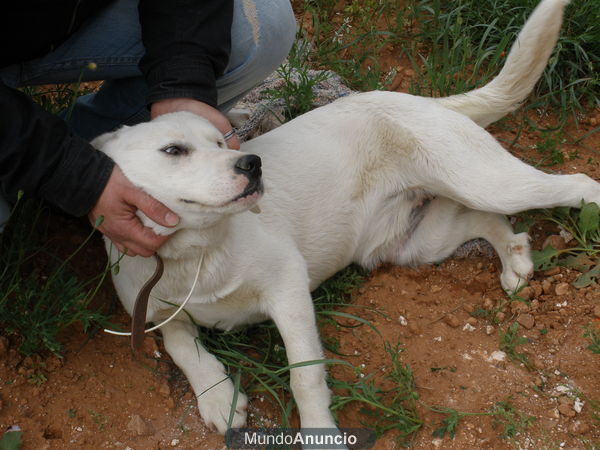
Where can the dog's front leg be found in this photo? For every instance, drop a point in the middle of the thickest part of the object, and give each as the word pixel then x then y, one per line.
pixel 293 314
pixel 213 388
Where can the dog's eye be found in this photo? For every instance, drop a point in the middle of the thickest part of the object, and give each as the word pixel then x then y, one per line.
pixel 174 150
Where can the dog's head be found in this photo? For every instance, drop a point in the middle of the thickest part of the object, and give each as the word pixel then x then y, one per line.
pixel 182 160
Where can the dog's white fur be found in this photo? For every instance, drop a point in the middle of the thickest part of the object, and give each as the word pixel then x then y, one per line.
pixel 372 178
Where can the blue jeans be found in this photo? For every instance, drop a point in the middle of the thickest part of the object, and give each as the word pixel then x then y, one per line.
pixel 262 34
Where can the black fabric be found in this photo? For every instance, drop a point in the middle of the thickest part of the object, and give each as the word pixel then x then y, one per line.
pixel 32 28
pixel 40 156
pixel 187 48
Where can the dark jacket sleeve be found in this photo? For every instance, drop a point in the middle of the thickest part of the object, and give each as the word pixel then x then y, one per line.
pixel 187 47
pixel 40 156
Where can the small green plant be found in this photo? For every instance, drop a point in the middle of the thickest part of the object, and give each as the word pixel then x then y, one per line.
pixel 503 413
pixel 512 421
pixel 549 148
pixel 449 424
pixel 40 295
pixel 593 334
pixel 383 409
pixel 510 340
pixel 583 225
pixel 12 439
pixel 99 419
pixel 296 92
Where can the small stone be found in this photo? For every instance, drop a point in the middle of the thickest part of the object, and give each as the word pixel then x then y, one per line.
pixel 413 327
pixel 526 293
pixel 561 289
pixel 164 389
pixel 526 321
pixel 537 289
pixel 535 304
pixel 468 327
pixel 468 308
pixel 500 316
pixel 556 241
pixel 139 427
pixel 472 321
pixel 170 403
pixel 551 272
pixel 403 321
pixel 566 410
pixel 564 400
pixel 174 442
pixel 452 321
pixel 579 427
pixel 488 304
pixel 547 287
pixel 435 288
pixel 517 307
pixel 489 330
pixel 597 311
pixel 498 356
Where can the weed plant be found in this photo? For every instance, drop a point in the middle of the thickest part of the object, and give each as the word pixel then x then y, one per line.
pixel 583 227
pixel 40 295
pixel 510 340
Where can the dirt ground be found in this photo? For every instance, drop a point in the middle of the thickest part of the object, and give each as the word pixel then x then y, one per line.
pixel 100 395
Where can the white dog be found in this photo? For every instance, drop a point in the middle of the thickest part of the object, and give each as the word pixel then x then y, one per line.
pixel 372 178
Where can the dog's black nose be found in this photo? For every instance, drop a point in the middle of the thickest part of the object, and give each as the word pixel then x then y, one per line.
pixel 249 165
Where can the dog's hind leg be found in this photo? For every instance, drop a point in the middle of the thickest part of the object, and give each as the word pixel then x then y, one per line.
pixel 447 224
pixel 472 168
pixel 212 386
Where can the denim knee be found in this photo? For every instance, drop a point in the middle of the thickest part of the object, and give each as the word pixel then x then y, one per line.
pixel 262 36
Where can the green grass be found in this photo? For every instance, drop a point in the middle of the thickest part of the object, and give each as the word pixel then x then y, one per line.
pixel 583 225
pixel 510 340
pixel 454 46
pixel 40 294
pixel 593 334
pixel 504 416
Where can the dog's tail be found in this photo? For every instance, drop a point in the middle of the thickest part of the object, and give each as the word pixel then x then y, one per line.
pixel 524 66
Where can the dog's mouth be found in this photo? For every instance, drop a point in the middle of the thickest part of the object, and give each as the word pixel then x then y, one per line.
pixel 254 187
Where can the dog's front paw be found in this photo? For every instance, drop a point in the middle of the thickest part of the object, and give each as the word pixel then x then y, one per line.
pixel 215 406
pixel 518 267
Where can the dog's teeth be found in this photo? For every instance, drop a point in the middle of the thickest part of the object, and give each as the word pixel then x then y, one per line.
pixel 255 209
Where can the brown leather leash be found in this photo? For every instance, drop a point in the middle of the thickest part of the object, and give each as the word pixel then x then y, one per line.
pixel 140 309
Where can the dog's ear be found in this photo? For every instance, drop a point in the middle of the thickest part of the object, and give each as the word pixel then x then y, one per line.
pixel 100 142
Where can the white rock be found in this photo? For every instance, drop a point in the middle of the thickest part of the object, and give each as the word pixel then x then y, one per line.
pixel 497 355
pixel 403 321
pixel 468 327
pixel 578 405
pixel 437 339
pixel 174 442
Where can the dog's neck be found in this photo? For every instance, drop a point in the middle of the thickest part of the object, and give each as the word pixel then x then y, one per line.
pixel 191 242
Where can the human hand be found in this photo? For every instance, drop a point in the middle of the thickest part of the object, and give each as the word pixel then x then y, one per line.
pixel 118 204
pixel 211 114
